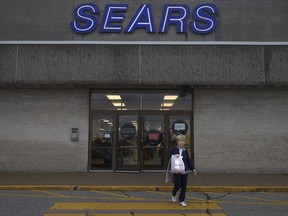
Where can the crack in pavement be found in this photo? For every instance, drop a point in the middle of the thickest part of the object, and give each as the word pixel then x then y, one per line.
pixel 208 197
pixel 125 194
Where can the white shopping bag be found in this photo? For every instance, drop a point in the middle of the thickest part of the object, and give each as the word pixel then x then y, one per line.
pixel 177 164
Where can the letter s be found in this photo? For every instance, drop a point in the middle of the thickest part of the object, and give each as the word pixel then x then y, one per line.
pixel 89 20
pixel 206 22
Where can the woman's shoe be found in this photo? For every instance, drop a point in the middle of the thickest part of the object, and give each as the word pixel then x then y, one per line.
pixel 183 204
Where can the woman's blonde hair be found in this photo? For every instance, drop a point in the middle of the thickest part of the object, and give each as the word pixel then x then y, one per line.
pixel 180 138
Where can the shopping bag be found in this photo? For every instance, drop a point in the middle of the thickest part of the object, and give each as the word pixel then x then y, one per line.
pixel 169 176
pixel 177 164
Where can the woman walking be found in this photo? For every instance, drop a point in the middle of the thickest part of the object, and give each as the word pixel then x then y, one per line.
pixel 180 179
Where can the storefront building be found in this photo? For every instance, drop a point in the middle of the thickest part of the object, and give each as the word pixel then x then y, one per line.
pixel 106 86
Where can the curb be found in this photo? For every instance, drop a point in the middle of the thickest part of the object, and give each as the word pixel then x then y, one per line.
pixel 148 188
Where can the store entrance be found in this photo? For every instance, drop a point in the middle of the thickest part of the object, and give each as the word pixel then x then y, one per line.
pixel 141 144
pixel 124 140
pixel 136 142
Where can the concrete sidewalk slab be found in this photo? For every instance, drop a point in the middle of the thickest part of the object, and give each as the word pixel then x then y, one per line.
pixel 140 181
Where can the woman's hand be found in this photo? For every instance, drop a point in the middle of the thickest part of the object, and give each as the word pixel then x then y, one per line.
pixel 177 155
pixel 194 171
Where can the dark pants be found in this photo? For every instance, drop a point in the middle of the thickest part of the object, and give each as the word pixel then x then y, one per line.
pixel 180 181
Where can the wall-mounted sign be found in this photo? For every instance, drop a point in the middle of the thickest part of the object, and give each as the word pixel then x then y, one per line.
pixel 74 134
pixel 179 127
pixel 128 131
pixel 107 135
pixel 172 14
pixel 153 137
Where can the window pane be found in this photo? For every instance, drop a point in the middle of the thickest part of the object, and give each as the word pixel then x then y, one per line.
pixel 127 154
pixel 140 101
pixel 101 158
pixel 166 101
pixel 115 101
pixel 179 125
pixel 102 127
pixel 102 142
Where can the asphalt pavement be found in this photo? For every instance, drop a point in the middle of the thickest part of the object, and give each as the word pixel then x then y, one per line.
pixel 215 182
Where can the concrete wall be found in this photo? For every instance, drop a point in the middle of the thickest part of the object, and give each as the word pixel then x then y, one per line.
pixel 35 129
pixel 245 20
pixel 143 64
pixel 243 131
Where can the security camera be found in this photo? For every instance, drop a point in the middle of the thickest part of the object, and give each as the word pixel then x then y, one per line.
pixel 184 91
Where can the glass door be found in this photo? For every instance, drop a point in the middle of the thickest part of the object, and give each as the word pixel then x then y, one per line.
pixel 128 143
pixel 153 142
pixel 142 142
pixel 180 125
pixel 102 136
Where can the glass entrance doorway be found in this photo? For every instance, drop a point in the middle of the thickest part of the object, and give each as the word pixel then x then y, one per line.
pixel 141 144
pixel 137 140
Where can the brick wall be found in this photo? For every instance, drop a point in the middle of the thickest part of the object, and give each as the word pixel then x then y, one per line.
pixel 241 130
pixel 234 130
pixel 35 129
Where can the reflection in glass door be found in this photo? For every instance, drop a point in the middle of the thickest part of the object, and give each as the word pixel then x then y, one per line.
pixel 142 142
pixel 153 145
pixel 134 131
pixel 180 125
pixel 101 154
pixel 128 143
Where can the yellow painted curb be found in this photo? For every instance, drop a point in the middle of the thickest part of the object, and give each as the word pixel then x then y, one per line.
pixel 190 188
pixel 148 188
pixel 37 187
pixel 238 188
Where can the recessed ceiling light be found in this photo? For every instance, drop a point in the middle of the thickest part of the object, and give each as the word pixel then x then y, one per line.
pixel 113 97
pixel 118 104
pixel 170 97
pixel 166 104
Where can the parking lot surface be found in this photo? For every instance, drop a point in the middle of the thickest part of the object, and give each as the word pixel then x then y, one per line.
pixel 141 203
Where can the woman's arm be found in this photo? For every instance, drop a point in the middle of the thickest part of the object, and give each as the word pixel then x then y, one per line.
pixel 189 162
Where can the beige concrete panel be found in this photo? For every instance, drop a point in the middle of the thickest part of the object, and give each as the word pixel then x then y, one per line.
pixel 203 65
pixel 35 20
pixel 258 20
pixel 8 63
pixel 78 64
pixel 276 61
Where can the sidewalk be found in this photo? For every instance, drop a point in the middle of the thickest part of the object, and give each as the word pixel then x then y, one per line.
pixel 141 181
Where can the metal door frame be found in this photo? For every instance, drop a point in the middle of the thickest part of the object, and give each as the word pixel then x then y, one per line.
pixel 141 115
pixel 115 115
